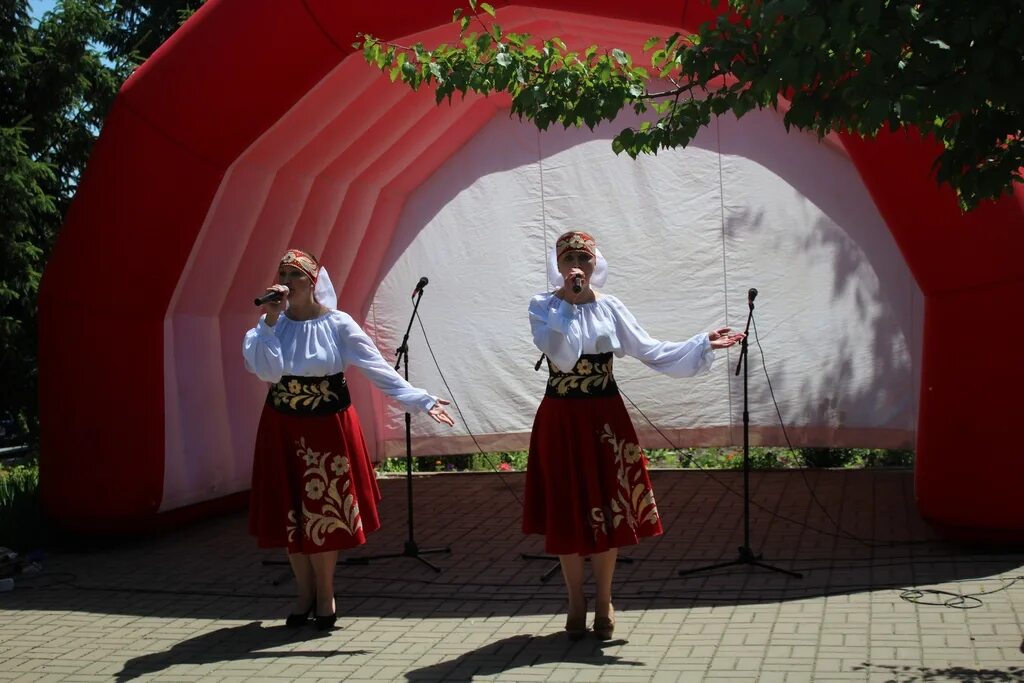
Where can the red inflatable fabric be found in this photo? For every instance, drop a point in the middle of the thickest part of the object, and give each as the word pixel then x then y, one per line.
pixel 155 202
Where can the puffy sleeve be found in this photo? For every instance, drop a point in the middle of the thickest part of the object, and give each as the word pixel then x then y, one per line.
pixel 556 330
pixel 359 350
pixel 675 359
pixel 262 351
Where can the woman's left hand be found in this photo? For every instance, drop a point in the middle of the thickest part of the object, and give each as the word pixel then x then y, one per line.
pixel 724 337
pixel 439 414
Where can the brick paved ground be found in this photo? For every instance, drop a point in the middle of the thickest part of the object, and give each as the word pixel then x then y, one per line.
pixel 199 605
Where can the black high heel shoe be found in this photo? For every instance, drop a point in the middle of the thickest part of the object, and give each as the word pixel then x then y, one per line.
pixel 325 622
pixel 297 620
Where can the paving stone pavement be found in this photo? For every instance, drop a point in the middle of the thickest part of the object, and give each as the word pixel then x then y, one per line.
pixel 199 604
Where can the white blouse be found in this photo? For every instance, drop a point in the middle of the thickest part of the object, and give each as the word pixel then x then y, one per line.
pixel 325 346
pixel 565 331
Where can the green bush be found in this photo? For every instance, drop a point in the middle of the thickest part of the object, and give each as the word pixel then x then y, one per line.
pixel 857 457
pixel 827 457
pixel 761 458
pixel 22 525
pixel 506 461
pixel 731 458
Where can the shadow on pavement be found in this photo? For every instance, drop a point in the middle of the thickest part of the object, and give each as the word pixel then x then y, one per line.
pixel 250 641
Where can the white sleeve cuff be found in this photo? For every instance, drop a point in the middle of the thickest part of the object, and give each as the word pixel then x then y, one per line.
pixel 263 329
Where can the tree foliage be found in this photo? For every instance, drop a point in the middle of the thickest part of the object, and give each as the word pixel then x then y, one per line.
pixel 951 69
pixel 58 77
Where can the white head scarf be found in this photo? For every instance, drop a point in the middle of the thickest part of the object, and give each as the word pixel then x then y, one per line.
pixel 598 279
pixel 324 290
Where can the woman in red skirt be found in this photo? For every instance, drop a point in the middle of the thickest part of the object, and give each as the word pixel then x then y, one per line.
pixel 587 488
pixel 313 486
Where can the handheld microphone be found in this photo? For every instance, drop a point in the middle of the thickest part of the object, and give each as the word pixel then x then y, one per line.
pixel 751 295
pixel 577 284
pixel 267 298
pixel 420 285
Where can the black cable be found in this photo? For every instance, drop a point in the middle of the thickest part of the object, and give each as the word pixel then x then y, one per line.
pixel 724 485
pixel 463 416
pixel 955 600
pixel 841 533
pixel 785 434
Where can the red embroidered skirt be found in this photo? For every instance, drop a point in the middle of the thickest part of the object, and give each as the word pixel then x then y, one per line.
pixel 313 485
pixel 587 487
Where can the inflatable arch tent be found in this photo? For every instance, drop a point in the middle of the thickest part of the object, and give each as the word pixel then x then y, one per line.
pixel 254 129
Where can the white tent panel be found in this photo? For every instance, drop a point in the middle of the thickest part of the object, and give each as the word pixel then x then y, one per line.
pixel 686 234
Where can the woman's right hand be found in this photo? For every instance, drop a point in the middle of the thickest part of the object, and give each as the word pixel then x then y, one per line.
pixel 439 414
pixel 584 295
pixel 273 308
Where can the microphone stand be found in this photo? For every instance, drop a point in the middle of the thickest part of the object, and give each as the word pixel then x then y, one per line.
pixel 546 576
pixel 411 549
pixel 746 555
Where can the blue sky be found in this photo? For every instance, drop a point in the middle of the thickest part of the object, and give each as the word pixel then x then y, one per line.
pixel 41 7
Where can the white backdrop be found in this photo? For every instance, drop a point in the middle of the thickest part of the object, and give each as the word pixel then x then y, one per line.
pixel 686 234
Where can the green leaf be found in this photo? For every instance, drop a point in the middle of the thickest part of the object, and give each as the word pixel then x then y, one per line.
pixel 620 57
pixel 503 58
pixel 487 8
pixel 651 42
pixel 623 141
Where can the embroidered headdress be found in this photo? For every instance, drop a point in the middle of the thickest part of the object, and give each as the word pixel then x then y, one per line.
pixel 577 240
pixel 323 288
pixel 303 261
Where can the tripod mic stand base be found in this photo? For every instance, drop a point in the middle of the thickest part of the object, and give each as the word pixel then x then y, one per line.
pixel 410 550
pixel 551 571
pixel 747 556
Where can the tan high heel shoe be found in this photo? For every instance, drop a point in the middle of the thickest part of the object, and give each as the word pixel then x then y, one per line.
pixel 604 627
pixel 576 627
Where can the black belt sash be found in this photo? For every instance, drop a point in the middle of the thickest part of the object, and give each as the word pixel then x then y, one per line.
pixel 590 377
pixel 294 395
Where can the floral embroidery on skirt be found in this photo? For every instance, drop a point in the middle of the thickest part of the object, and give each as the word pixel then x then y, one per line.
pixel 314 487
pixel 325 508
pixel 587 486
